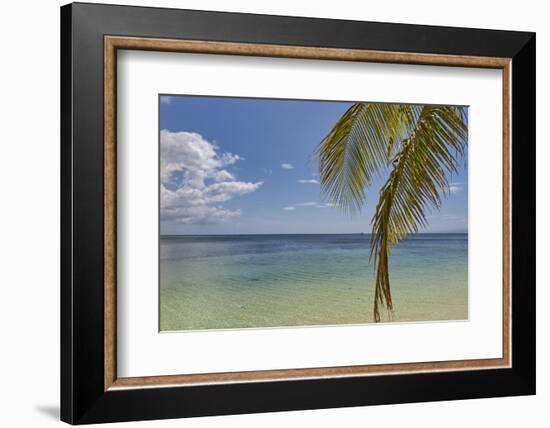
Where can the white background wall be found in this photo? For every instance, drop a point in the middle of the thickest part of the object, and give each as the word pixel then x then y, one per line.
pixel 29 213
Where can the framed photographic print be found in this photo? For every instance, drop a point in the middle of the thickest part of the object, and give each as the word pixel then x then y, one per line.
pixel 265 213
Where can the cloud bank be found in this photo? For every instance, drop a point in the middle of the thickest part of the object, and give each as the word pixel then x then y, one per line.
pixel 194 181
pixel 309 204
pixel 455 188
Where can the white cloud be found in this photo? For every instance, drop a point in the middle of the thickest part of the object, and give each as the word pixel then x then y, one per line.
pixel 308 204
pixel 165 99
pixel 455 188
pixel 311 181
pixel 327 205
pixel 223 175
pixel 194 182
pixel 287 166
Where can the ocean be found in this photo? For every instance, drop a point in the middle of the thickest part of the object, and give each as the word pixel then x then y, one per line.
pixel 258 281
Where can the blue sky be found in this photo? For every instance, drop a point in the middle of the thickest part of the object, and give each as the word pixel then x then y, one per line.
pixel 243 165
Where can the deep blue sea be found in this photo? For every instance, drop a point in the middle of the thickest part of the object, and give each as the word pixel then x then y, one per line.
pixel 251 281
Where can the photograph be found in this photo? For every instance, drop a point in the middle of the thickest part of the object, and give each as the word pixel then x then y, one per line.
pixel 294 213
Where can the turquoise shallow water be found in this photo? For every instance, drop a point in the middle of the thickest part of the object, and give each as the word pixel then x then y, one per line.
pixel 215 282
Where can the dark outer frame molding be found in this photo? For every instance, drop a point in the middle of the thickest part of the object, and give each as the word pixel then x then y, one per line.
pixel 83 398
pixel 113 44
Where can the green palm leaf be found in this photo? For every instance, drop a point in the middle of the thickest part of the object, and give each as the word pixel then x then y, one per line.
pixel 355 150
pixel 422 144
pixel 417 183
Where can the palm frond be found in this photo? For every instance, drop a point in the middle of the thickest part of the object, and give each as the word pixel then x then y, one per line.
pixel 356 149
pixel 416 184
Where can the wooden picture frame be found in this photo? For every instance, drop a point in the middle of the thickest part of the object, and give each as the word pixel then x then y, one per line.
pixel 91 390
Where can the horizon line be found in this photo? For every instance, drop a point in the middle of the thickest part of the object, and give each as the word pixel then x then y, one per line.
pixel 276 234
